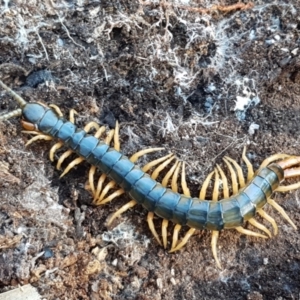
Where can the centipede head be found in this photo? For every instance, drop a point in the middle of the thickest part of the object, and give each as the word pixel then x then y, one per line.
pixel 31 112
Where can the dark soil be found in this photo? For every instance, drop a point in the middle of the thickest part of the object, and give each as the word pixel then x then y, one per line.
pixel 173 78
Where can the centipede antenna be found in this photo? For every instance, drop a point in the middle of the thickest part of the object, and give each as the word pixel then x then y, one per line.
pixel 14 113
pixel 18 98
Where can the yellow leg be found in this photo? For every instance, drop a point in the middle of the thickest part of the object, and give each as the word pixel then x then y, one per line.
pixel 260 226
pixel 71 165
pixel 176 231
pixel 62 158
pixel 53 149
pixel 72 114
pixel 182 243
pixel 174 185
pixel 155 162
pixel 250 173
pixel 90 126
pixel 238 170
pixel 121 210
pixel 167 177
pixel 164 227
pixel 99 187
pixel 151 226
pixel 204 187
pixel 109 137
pixel 117 137
pixel 185 189
pixel 234 182
pixel 214 241
pixel 282 212
pixel 100 132
pixel 114 195
pixel 264 215
pixel 224 181
pixel 92 172
pixel 162 166
pixel 57 109
pixel 215 194
pixel 137 155
pixel 249 232
pixel 38 137
pixel 106 189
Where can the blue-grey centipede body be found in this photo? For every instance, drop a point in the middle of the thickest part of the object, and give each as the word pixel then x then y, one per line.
pixel 180 209
pixel 47 123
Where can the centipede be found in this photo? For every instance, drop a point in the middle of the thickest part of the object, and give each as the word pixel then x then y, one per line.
pixel 248 197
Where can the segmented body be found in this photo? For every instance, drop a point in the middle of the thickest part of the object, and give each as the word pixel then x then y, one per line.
pixel 180 209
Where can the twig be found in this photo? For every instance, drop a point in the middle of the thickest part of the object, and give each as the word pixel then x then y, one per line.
pixel 68 33
pixel 221 8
